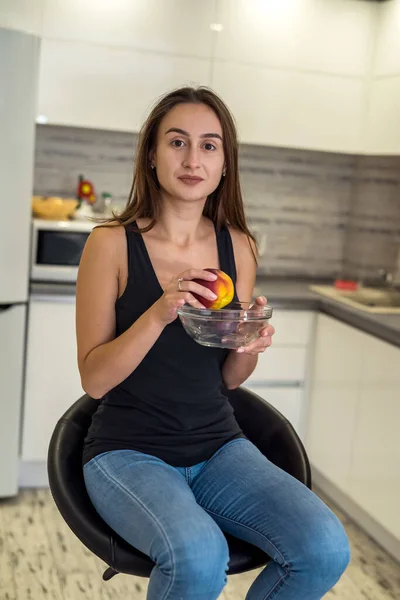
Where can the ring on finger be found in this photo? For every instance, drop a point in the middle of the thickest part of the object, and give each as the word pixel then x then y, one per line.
pixel 179 284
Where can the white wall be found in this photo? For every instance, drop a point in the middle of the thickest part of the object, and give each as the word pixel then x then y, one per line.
pixel 383 124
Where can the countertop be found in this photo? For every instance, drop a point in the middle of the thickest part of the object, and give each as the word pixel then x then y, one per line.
pixel 297 295
pixel 285 294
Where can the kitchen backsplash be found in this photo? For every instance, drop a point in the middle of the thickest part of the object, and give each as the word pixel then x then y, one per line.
pixel 320 214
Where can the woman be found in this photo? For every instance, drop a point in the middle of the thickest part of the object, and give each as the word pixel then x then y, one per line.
pixel 165 463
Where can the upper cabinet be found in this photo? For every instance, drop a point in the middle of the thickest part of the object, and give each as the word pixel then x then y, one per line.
pixel 105 63
pixel 22 15
pixel 293 108
pixel 383 120
pixel 326 36
pixel 295 74
pixel 89 85
pixel 387 51
pixel 171 26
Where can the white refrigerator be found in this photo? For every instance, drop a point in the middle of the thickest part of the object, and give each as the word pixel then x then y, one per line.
pixel 19 59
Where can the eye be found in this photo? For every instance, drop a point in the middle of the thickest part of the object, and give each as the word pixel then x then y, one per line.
pixel 209 146
pixel 177 143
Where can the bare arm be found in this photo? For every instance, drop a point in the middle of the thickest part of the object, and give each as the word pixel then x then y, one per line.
pixel 103 359
pixel 238 367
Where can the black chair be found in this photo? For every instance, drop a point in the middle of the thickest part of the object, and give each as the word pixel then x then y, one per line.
pixel 260 422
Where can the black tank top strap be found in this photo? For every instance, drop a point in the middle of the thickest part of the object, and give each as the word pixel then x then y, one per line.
pixel 225 252
pixel 137 259
pixel 140 269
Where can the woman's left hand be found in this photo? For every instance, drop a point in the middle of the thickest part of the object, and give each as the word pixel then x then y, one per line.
pixel 265 336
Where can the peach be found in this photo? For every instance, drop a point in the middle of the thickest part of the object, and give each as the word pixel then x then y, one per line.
pixel 222 286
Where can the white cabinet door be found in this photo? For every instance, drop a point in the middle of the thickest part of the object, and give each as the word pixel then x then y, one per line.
pixel 52 376
pixel 18 83
pixel 281 364
pixel 303 110
pixel 12 338
pixel 170 26
pixel 293 327
pixel 298 35
pixel 22 15
pixel 289 401
pixel 375 467
pixel 334 397
pixel 89 85
pixel 286 360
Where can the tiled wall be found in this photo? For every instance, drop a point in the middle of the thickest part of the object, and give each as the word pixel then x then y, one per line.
pixel 320 213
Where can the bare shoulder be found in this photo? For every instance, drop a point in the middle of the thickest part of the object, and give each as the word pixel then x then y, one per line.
pixel 107 233
pixel 106 240
pixel 243 246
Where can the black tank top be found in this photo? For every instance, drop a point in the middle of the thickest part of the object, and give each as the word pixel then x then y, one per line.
pixel 172 405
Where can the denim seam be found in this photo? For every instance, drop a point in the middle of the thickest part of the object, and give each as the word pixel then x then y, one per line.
pixel 105 472
pixel 264 537
pixel 286 567
pixel 276 587
pixel 188 475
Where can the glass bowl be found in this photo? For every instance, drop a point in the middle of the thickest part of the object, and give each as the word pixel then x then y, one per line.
pixel 236 325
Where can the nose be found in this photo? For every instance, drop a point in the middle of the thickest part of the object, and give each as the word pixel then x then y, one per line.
pixel 191 159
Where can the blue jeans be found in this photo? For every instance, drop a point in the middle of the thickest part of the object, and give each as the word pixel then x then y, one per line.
pixel 176 516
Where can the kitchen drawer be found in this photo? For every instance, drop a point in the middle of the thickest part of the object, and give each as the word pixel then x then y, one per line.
pixel 279 363
pixel 292 327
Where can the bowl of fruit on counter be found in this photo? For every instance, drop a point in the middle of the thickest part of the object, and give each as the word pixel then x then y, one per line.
pixel 223 323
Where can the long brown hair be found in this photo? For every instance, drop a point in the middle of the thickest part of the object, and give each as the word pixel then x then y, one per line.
pixel 224 206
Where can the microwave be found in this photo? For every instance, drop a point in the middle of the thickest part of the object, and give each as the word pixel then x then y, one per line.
pixel 56 249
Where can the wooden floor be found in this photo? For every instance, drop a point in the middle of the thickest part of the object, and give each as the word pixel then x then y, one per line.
pixel 41 559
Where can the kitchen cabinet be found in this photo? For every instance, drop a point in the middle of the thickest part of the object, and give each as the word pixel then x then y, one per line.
pixel 12 338
pixel 298 35
pixel 22 15
pixel 89 85
pixel 281 70
pixel 375 467
pixel 293 109
pixel 286 79
pixel 333 399
pixel 382 130
pixel 353 417
pixel 170 26
pixel 281 374
pixel 52 377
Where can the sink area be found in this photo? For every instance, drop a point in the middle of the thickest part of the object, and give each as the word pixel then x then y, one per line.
pixel 370 299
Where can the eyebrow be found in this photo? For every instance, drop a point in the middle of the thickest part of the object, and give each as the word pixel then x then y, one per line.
pixel 187 134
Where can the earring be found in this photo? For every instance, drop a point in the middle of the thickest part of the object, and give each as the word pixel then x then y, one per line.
pixel 223 174
pixel 152 166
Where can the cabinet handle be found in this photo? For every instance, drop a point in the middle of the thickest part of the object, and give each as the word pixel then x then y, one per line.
pixel 274 383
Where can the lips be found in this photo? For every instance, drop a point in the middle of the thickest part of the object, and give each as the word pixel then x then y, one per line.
pixel 190 179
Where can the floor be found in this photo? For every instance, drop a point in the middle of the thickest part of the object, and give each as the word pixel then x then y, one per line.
pixel 41 559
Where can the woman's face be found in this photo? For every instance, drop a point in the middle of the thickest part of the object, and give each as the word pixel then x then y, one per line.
pixel 189 156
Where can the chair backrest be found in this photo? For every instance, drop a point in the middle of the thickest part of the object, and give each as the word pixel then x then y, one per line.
pixel 271 432
pixel 260 422
pixel 64 466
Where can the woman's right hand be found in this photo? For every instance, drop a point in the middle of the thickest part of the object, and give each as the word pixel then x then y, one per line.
pixel 179 292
